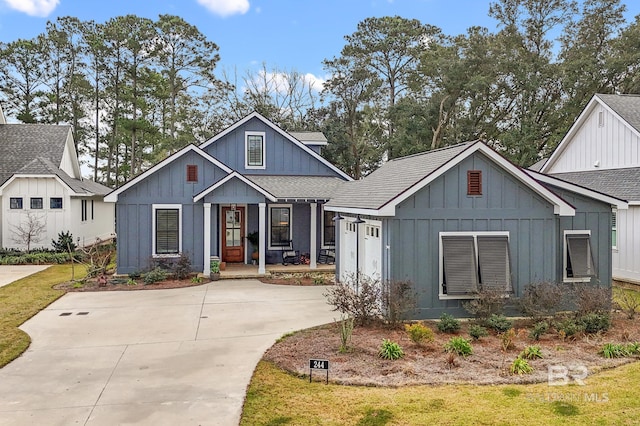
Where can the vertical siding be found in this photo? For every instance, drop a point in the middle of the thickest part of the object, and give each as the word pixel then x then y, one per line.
pixel 625 259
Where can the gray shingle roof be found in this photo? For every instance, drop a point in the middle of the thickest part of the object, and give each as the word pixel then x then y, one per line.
pixel 626 106
pixel 21 143
pixel 537 165
pixel 313 137
pixel 393 178
pixel 298 187
pixel 619 183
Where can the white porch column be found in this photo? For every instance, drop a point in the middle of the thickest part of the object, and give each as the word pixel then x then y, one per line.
pixel 314 236
pixel 262 232
pixel 207 238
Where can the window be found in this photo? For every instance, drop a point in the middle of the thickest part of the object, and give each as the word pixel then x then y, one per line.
pixel 473 261
pixel 192 173
pixel 55 203
pixel 91 209
pixel 601 119
pixel 36 203
pixel 328 229
pixel 255 150
pixel 279 226
pixel 167 236
pixel 614 229
pixel 578 258
pixel 83 210
pixel 474 182
pixel 15 203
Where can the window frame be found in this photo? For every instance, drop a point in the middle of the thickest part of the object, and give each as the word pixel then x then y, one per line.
pixel 192 173
pixel 18 206
pixel 83 210
pixel 263 164
pixel 614 229
pixel 51 206
pixel 475 235
pixel 565 252
pixel 154 208
pixel 270 242
pixel 36 199
pixel 323 226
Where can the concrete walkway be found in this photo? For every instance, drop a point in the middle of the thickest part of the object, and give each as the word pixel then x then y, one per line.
pixel 11 273
pixel 154 357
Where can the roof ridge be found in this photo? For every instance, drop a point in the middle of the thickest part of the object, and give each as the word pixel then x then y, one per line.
pixel 444 148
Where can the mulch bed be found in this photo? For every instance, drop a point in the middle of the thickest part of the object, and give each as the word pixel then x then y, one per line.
pixel 120 284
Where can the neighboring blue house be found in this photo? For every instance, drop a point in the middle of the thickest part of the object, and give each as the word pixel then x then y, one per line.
pixel 204 201
pixel 463 218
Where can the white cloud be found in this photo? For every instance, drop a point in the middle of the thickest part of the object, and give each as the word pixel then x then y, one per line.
pixel 41 8
pixel 279 81
pixel 225 7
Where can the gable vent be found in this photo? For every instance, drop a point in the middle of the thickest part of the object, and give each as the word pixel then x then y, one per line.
pixel 474 182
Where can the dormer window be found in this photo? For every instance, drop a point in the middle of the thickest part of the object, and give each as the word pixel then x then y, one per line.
pixel 254 150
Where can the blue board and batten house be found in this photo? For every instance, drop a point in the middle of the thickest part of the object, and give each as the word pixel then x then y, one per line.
pixel 204 201
pixel 463 218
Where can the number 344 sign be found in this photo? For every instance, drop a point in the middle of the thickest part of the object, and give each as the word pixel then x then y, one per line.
pixel 318 364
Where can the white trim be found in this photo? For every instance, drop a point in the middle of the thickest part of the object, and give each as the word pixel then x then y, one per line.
pixel 245 221
pixel 262 223
pixel 305 148
pixel 226 179
pixel 290 207
pixel 155 207
pixel 322 242
pixel 614 220
pixel 112 197
pixel 354 211
pixel 207 239
pixel 246 150
pixel 474 234
pixel 313 230
pixel 617 202
pixel 47 176
pixel 564 255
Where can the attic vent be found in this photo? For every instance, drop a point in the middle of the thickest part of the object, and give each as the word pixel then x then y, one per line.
pixel 192 173
pixel 474 182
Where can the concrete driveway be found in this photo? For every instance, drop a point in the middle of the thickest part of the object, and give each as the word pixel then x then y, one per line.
pixel 154 357
pixel 11 273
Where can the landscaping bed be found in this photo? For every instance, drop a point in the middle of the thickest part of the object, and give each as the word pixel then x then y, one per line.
pixel 126 284
pixel 300 278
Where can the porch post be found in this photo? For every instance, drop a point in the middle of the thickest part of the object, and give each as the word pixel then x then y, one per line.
pixel 313 236
pixel 262 230
pixel 207 238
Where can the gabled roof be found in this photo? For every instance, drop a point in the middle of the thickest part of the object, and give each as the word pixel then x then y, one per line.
pixel 20 144
pixel 233 175
pixel 310 138
pixel 379 193
pixel 318 188
pixel 625 107
pixel 113 196
pixel 287 136
pixel 618 183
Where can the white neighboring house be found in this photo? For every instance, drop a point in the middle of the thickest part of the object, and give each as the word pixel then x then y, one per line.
pixel 40 178
pixel 601 151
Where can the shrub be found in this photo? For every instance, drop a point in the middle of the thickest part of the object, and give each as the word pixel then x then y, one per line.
pixel 398 298
pixel 131 281
pixel 448 324
pixel 590 299
pixel 390 350
pixel 419 333
pixel 499 323
pixel 628 301
pixel 614 350
pixel 477 331
pixel 155 275
pixel 507 339
pixel 568 327
pixel 450 360
pixel 459 346
pixel 362 305
pixel 633 348
pixel 531 352
pixel 488 302
pixel 182 268
pixel 595 322
pixel 541 300
pixel 539 328
pixel 318 280
pixel 65 243
pixel 196 280
pixel 520 366
pixel 346 331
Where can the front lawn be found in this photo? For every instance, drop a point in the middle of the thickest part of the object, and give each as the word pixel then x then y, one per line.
pixel 275 397
pixel 21 300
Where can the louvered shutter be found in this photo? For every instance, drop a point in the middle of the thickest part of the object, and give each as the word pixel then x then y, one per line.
pixel 167 231
pixel 580 256
pixel 493 257
pixel 460 269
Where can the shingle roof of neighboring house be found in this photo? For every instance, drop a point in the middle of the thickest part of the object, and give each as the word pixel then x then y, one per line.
pixel 393 178
pixel 311 137
pixel 626 106
pixel 538 165
pixel 620 183
pixel 298 187
pixel 22 143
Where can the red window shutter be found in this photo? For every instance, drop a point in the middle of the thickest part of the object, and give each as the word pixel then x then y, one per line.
pixel 474 182
pixel 192 173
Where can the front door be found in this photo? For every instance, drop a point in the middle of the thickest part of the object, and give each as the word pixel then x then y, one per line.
pixel 233 235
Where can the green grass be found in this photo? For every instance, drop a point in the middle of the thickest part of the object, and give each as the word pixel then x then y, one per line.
pixel 21 300
pixel 278 398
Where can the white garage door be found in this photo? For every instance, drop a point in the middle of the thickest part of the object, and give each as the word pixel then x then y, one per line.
pixel 368 248
pixel 371 257
pixel 347 249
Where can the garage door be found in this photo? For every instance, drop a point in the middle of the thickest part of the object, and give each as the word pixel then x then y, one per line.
pixel 371 257
pixel 347 250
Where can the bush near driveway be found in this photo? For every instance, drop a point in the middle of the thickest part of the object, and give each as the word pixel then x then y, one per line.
pixel 21 300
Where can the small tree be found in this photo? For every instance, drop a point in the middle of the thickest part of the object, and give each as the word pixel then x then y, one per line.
pixel 30 231
pixel 65 243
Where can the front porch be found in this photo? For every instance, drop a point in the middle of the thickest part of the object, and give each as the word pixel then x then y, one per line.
pixel 241 271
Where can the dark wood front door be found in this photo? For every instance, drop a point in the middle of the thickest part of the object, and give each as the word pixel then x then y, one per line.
pixel 233 234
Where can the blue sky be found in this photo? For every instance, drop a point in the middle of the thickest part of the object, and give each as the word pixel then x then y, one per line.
pixel 288 34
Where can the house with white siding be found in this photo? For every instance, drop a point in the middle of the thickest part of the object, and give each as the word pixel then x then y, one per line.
pixel 601 151
pixel 40 181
